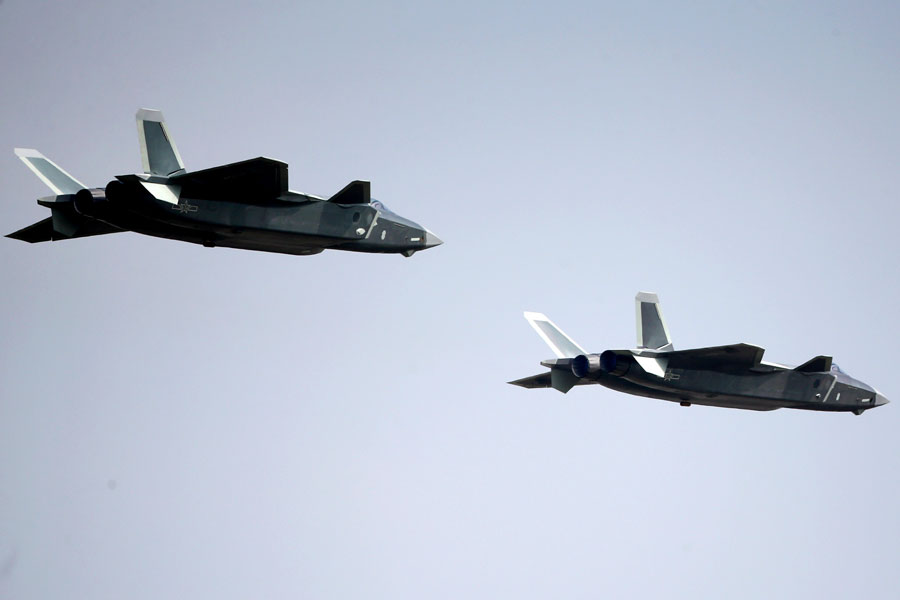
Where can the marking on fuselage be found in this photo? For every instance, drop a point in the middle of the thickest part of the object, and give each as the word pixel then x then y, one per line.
pixel 671 376
pixel 831 387
pixel 372 226
pixel 186 207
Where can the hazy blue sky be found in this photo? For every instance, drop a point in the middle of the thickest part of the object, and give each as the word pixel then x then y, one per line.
pixel 180 422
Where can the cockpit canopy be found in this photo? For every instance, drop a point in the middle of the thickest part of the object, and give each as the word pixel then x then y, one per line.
pixel 378 204
pixel 843 377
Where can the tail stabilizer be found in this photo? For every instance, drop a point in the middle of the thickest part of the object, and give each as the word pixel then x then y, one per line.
pixel 533 382
pixel 49 172
pixel 562 345
pixel 64 223
pixel 42 231
pixel 159 156
pixel 652 333
pixel 559 379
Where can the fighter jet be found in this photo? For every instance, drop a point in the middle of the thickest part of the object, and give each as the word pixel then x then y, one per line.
pixel 243 205
pixel 728 376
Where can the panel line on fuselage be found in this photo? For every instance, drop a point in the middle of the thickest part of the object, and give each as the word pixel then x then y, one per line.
pixel 831 387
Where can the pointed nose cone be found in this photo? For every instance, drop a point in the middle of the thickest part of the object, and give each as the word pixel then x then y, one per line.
pixel 432 240
pixel 880 400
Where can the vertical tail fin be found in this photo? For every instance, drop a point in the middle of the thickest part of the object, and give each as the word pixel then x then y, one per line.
pixel 49 172
pixel 562 345
pixel 652 332
pixel 159 155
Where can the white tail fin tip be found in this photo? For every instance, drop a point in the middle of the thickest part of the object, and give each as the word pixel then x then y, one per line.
pixel 562 345
pixel 150 114
pixel 28 153
pixel 54 176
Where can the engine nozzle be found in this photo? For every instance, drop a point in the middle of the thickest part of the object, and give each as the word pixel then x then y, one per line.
pixel 116 191
pixel 89 202
pixel 609 362
pixel 586 364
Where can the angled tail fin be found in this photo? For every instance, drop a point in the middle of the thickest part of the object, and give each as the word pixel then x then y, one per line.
pixel 49 172
pixel 562 345
pixel 65 221
pixel 652 333
pixel 559 378
pixel 159 155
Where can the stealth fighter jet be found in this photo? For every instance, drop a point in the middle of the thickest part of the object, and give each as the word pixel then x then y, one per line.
pixel 728 376
pixel 243 205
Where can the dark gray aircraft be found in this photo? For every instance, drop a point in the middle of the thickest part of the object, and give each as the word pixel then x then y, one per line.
pixel 728 376
pixel 243 205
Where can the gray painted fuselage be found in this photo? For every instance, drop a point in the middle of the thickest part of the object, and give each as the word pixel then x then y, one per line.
pixel 733 376
pixel 761 386
pixel 243 205
pixel 291 224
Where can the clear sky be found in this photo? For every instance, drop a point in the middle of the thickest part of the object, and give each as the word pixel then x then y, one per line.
pixel 183 422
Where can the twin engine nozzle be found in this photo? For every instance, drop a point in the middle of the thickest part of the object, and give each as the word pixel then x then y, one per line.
pixel 91 202
pixel 611 362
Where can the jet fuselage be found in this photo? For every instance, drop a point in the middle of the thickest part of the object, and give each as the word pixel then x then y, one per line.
pixel 761 387
pixel 291 224
pixel 733 376
pixel 243 205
